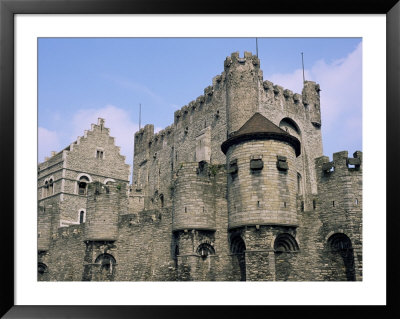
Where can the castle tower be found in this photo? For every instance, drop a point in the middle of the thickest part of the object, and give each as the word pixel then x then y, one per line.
pixel 312 143
pixel 199 194
pixel 261 191
pixel 311 101
pixel 243 79
pixel 104 204
pixel 340 210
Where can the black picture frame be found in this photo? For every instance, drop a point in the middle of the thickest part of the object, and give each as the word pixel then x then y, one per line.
pixel 8 9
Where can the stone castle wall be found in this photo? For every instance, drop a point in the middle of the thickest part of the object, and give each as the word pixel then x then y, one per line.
pixel 187 214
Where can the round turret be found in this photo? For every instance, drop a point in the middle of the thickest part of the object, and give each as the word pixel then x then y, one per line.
pixel 103 205
pixel 194 207
pixel 261 174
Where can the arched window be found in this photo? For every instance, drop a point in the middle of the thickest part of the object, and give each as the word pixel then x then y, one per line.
pixel 291 127
pixel 342 254
pixel 205 250
pixel 339 242
pixel 46 189
pixel 108 180
pixel 285 243
pixel 107 266
pixel 82 185
pixel 238 249
pixel 82 217
pixel 51 187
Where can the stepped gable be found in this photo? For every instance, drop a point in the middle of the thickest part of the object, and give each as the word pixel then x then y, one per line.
pixel 258 127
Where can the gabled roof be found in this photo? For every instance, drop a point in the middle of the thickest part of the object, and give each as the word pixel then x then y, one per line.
pixel 258 127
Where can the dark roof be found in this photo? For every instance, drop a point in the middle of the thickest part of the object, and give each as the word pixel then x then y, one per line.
pixel 258 127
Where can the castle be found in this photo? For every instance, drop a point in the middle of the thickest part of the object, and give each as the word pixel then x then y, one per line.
pixel 237 188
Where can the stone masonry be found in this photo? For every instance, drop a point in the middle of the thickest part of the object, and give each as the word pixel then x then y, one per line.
pixel 237 188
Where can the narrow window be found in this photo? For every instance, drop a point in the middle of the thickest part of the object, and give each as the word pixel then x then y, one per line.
pixel 100 154
pixel 333 203
pixel 51 187
pixel 356 201
pixel 162 200
pixel 302 206
pixel 46 188
pixel 314 203
pixel 81 217
pixel 299 184
pixel 82 184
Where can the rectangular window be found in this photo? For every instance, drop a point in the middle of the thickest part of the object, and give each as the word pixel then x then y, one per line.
pixel 282 163
pixel 256 164
pixel 99 154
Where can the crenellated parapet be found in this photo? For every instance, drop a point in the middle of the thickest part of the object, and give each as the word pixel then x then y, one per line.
pixel 279 91
pixel 195 107
pixel 143 137
pixel 340 181
pixel 341 165
pixel 235 60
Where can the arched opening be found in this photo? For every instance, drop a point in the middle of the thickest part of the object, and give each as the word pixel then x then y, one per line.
pixel 285 243
pixel 205 267
pixel 284 246
pixel 46 189
pixel 290 126
pixel 107 182
pixel 205 250
pixel 51 187
pixel 82 185
pixel 107 265
pixel 238 249
pixel 341 257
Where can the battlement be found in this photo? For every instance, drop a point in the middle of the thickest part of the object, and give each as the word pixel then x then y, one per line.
pixel 235 59
pixel 200 101
pixel 280 91
pixel 340 164
pixel 97 188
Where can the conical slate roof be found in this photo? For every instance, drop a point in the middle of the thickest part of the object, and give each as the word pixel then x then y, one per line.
pixel 258 127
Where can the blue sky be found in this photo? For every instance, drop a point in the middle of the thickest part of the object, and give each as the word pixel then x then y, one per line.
pixel 81 79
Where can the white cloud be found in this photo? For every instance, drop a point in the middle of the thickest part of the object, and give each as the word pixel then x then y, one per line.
pixel 116 119
pixel 48 141
pixel 341 95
